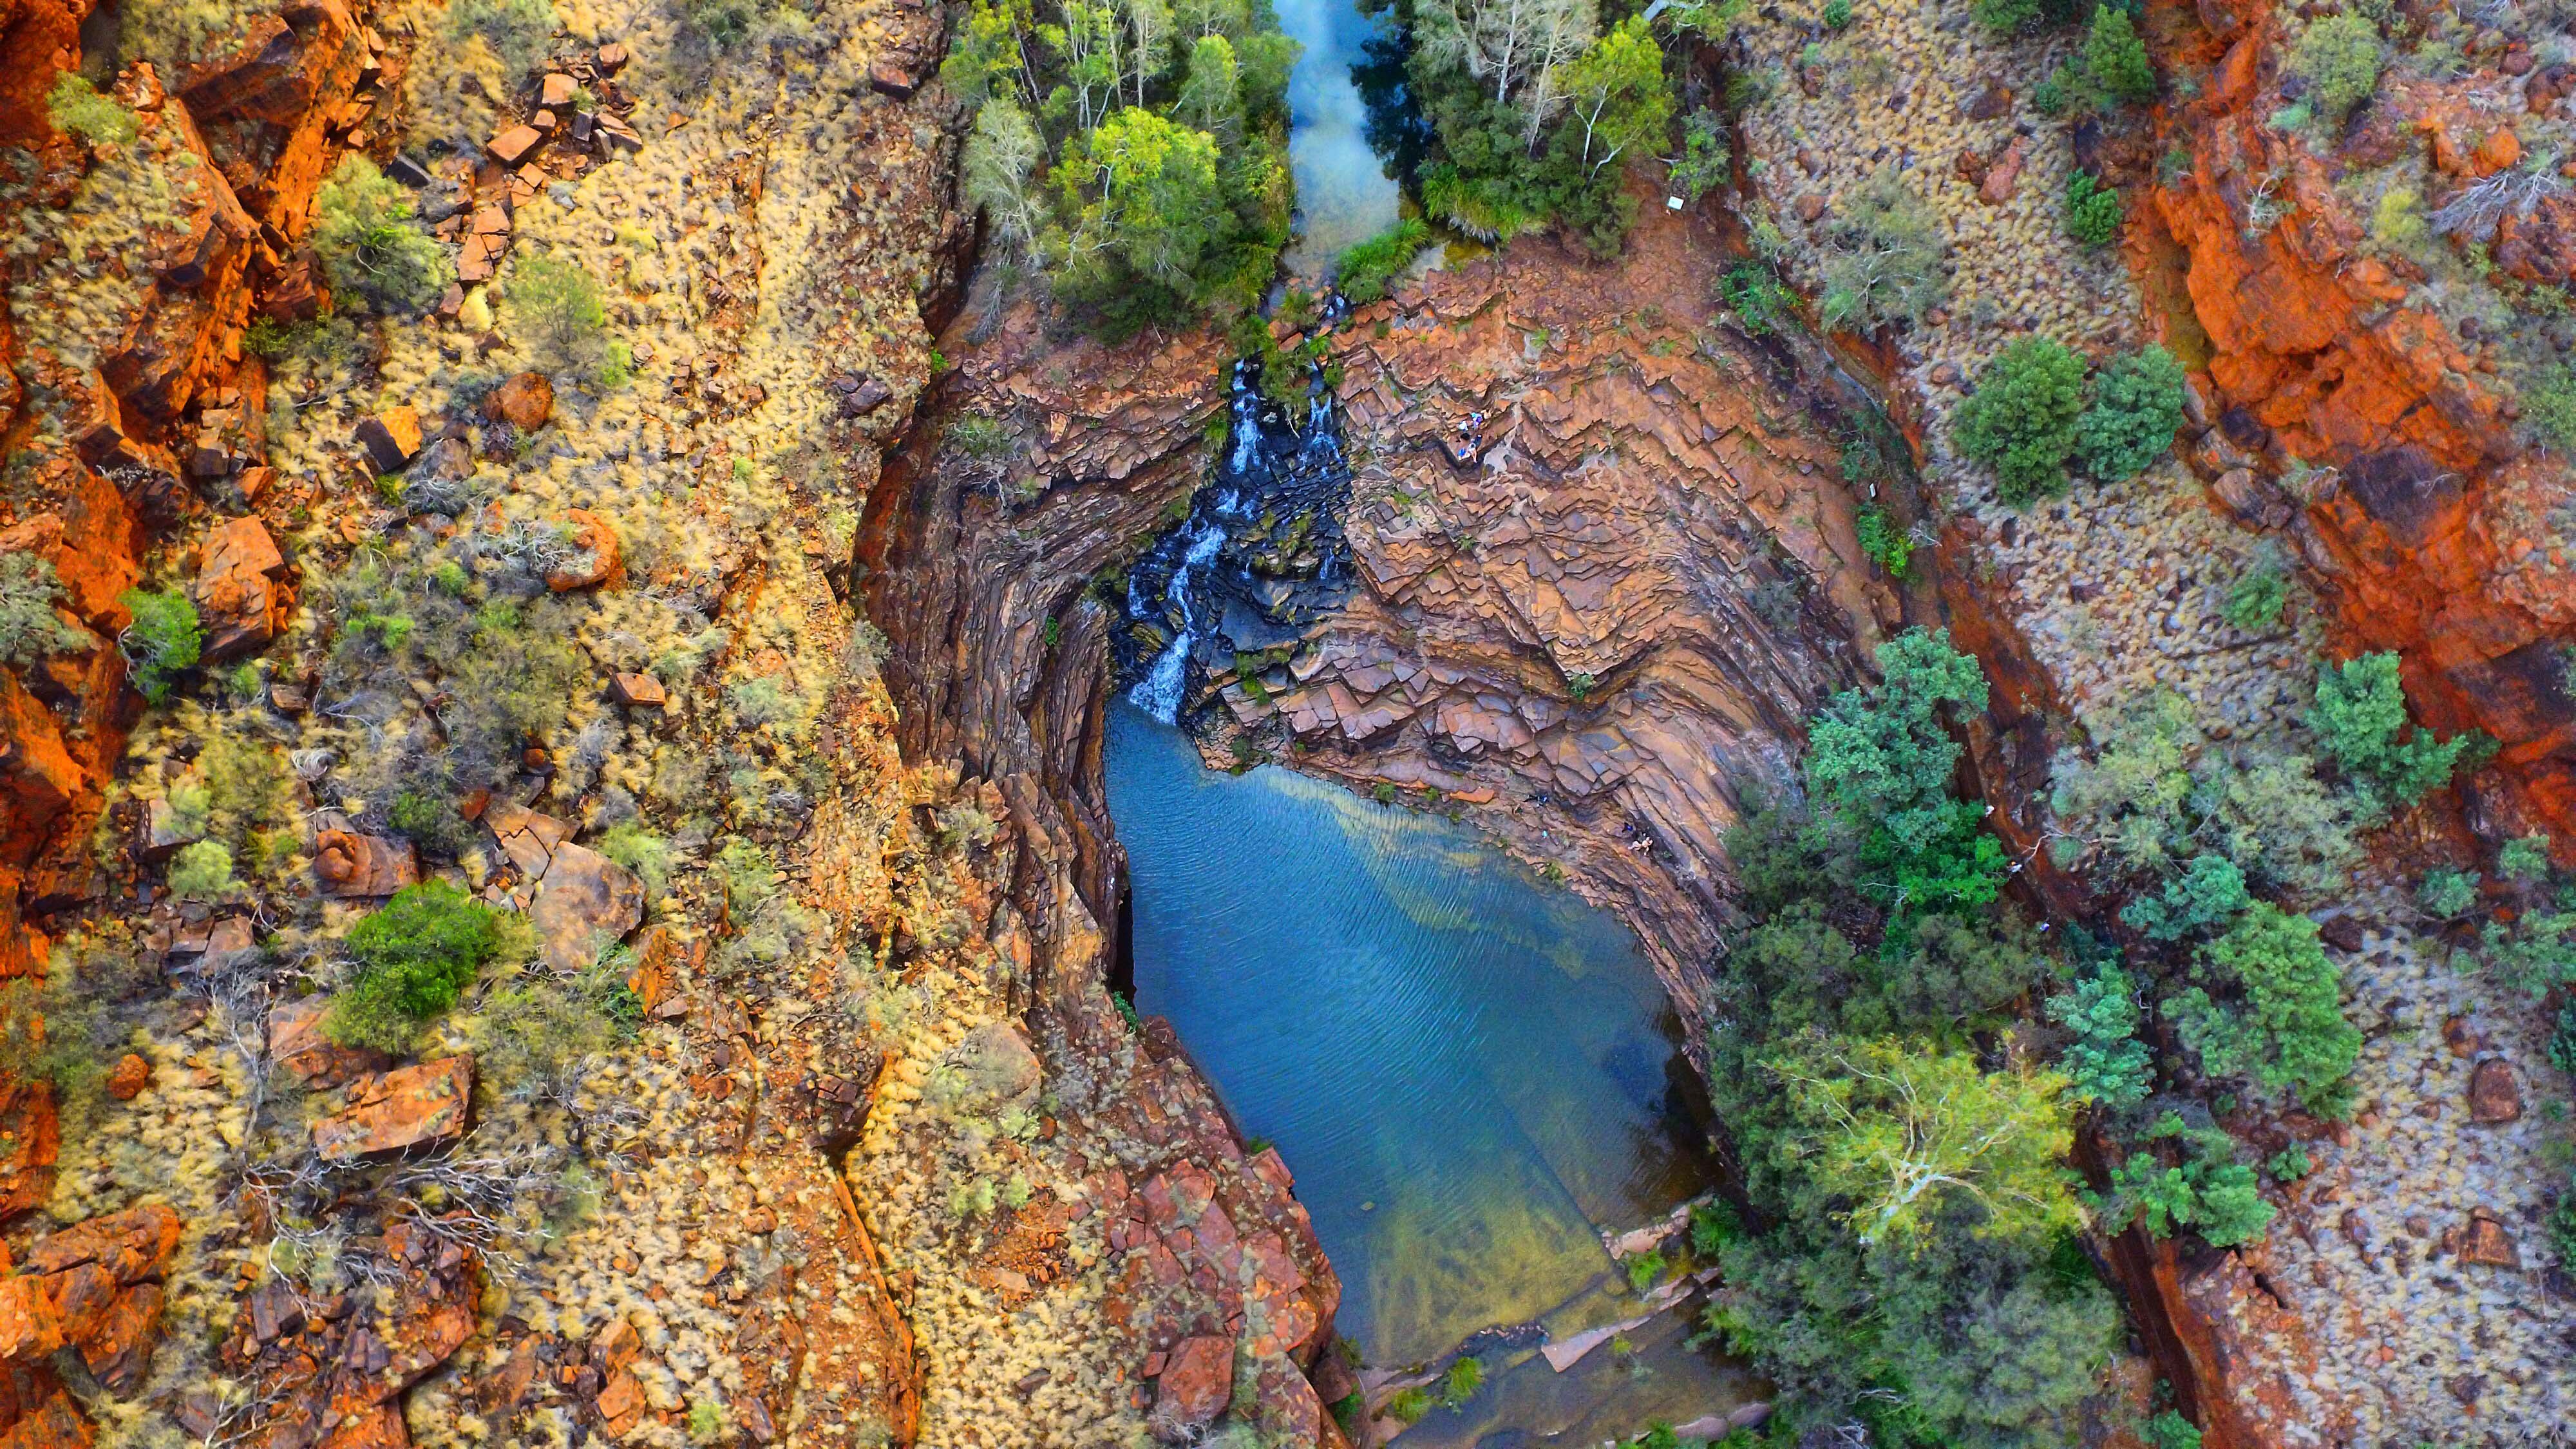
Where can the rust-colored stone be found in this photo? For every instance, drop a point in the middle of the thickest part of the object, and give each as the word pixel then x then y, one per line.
pixel 524 402
pixel 401 1108
pixel 127 1079
pixel 595 556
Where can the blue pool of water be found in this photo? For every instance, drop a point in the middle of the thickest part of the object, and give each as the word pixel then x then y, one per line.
pixel 1471 1073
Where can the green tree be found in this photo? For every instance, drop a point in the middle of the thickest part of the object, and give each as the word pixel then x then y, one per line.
pixel 1147 198
pixel 2206 1189
pixel 1615 92
pixel 2258 595
pixel 2360 716
pixel 2286 1031
pixel 2137 408
pixel 1899 1133
pixel 998 171
pixel 1212 97
pixel 1878 771
pixel 163 642
pixel 2021 419
pixel 2209 892
pixel 2338 56
pixel 2106 1062
pixel 2116 58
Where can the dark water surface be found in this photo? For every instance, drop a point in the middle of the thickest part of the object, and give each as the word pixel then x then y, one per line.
pixel 1344 192
pixel 1467 1069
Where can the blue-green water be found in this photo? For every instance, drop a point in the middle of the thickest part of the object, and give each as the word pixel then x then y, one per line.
pixel 1470 1072
pixel 1344 192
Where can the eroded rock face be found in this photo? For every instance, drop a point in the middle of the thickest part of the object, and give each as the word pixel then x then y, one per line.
pixel 2420 540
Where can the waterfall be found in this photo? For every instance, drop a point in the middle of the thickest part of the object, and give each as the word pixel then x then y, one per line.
pixel 1159 692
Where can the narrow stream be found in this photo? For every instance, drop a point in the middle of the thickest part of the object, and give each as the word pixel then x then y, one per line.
pixel 1344 192
pixel 1474 1076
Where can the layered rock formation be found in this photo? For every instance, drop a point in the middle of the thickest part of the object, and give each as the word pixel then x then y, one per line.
pixel 2425 529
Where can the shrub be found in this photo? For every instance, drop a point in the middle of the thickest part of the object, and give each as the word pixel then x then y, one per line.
pixel 2208 1190
pixel 76 106
pixel 365 237
pixel 2289 1164
pixel 65 1027
pixel 1365 269
pixel 2288 1034
pixel 2549 407
pixel 2137 408
pixel 416 955
pixel 2021 419
pixel 2524 859
pixel 1884 261
pixel 1761 302
pixel 560 316
pixel 2257 597
pixel 1706 159
pixel 2106 1062
pixel 538 1036
pixel 2338 57
pixel 2209 892
pixel 29 627
pixel 1461 1382
pixel 201 872
pixel 1886 542
pixel 518 31
pixel 430 820
pixel 163 642
pixel 2116 59
pixel 2360 717
pixel 2093 211
pixel 2447 895
pixel 725 23
pixel 1407 1406
pixel 1645 1270
pixel 2169 1430
pixel 631 844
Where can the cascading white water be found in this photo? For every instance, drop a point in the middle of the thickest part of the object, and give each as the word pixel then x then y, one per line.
pixel 1159 692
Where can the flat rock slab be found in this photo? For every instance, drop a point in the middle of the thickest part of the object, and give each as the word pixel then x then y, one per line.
pixel 397 1109
pixel 578 899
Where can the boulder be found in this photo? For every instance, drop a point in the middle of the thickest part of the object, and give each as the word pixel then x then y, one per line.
pixel 514 144
pixel 998 1064
pixel 391 438
pixel 240 591
pixel 2494 1096
pixel 355 866
pixel 2004 177
pixel 524 402
pixel 596 552
pixel 401 1108
pixel 102 1278
pixel 641 691
pixel 556 91
pixel 578 899
pixel 127 1079
pixel 2486 1242
pixel 296 1042
pixel 1196 1384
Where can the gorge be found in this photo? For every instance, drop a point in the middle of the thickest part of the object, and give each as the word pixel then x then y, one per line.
pixel 590 595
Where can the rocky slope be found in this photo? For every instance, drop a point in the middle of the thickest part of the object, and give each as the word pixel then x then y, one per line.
pixel 2342 422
